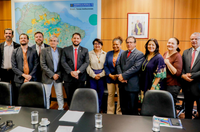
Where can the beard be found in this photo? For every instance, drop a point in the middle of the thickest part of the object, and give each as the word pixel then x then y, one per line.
pixel 8 38
pixel 76 44
pixel 23 44
pixel 40 43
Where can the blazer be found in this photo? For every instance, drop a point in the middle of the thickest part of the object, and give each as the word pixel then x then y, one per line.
pixel 109 67
pixel 46 63
pixel 34 46
pixel 15 45
pixel 18 62
pixel 194 86
pixel 67 62
pixel 129 68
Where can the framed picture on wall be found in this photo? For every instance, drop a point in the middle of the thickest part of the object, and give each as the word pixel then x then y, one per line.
pixel 138 25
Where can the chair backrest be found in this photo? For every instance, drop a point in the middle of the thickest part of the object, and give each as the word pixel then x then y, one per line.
pixel 85 99
pixel 5 93
pixel 32 94
pixel 159 103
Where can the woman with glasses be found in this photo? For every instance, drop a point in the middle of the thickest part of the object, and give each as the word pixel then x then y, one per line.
pixel 96 69
pixel 153 68
pixel 173 61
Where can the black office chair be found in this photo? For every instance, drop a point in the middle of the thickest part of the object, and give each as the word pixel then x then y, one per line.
pixel 159 103
pixel 5 93
pixel 85 99
pixel 32 94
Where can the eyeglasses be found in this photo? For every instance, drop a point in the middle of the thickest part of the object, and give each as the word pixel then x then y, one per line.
pixel 129 42
pixel 97 44
pixel 6 125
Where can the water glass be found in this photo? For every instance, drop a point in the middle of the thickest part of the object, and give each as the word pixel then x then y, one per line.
pixel 42 129
pixel 156 125
pixel 34 117
pixel 98 121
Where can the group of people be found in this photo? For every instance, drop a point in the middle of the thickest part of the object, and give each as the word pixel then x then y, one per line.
pixel 126 72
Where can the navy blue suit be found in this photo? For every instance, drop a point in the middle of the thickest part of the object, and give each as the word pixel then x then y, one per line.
pixel 109 67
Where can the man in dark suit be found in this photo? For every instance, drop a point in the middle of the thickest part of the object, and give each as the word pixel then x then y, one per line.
pixel 74 60
pixel 6 48
pixel 128 68
pixel 39 38
pixel 51 71
pixel 191 75
pixel 24 63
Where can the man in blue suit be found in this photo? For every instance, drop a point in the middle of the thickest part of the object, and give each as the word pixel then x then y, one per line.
pixel 128 68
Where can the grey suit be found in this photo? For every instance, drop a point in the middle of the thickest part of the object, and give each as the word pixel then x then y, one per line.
pixel 47 65
pixel 129 68
pixel 191 89
pixel 67 61
pixel 18 62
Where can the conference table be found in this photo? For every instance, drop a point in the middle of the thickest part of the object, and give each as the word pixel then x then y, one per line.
pixel 111 123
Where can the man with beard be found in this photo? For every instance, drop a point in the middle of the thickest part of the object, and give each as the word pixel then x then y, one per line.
pixel 24 64
pixel 6 49
pixel 39 38
pixel 74 60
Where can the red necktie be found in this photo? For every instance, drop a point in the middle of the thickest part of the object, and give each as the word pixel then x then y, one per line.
pixel 75 59
pixel 128 54
pixel 193 56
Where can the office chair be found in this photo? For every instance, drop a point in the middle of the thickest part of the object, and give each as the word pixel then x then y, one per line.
pixel 5 93
pixel 159 103
pixel 32 94
pixel 85 99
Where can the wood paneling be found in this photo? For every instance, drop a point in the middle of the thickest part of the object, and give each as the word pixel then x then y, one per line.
pixel 187 9
pixel 120 8
pixel 183 28
pixel 161 29
pixel 5 9
pixel 3 25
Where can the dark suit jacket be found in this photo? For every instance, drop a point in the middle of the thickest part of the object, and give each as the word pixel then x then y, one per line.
pixel 39 70
pixel 109 67
pixel 46 63
pixel 34 46
pixel 18 62
pixel 129 68
pixel 194 86
pixel 15 45
pixel 67 61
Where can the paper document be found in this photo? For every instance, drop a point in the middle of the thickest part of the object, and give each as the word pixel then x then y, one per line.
pixel 22 129
pixel 71 116
pixel 64 129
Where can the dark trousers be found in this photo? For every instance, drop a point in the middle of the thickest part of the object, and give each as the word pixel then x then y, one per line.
pixel 70 87
pixel 128 102
pixel 174 90
pixel 99 86
pixel 189 104
pixel 16 93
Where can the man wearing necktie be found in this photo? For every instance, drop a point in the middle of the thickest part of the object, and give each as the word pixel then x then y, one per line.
pixel 39 38
pixel 191 75
pixel 128 68
pixel 74 60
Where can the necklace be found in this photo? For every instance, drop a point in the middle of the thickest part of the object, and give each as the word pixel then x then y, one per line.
pixel 144 66
pixel 98 57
